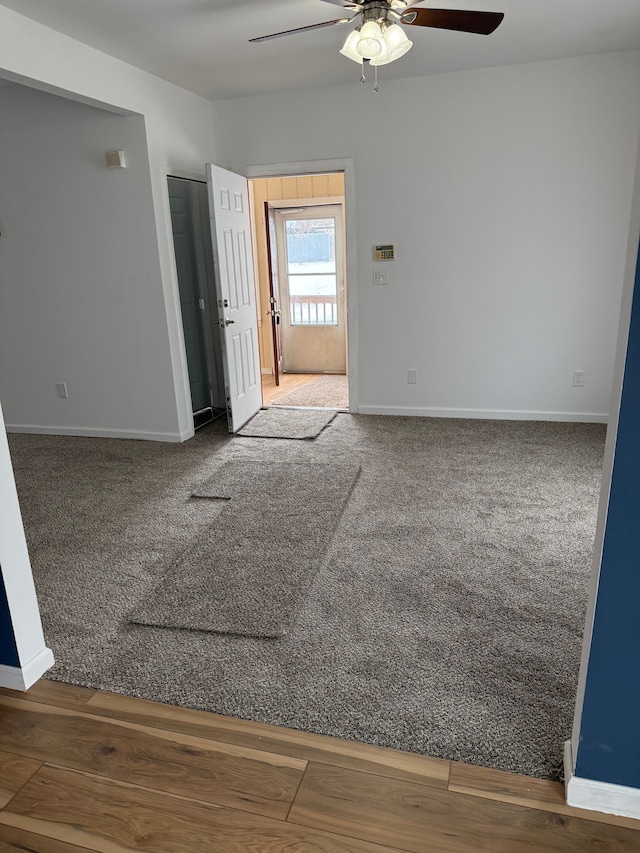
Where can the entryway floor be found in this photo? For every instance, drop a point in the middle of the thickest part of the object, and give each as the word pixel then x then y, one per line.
pixel 288 382
pixel 323 390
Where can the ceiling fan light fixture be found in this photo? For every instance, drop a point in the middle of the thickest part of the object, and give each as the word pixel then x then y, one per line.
pixel 396 41
pixel 378 40
pixel 350 45
pixel 370 42
pixel 384 57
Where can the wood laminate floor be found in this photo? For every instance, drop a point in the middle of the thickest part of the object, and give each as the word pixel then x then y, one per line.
pixel 288 382
pixel 82 770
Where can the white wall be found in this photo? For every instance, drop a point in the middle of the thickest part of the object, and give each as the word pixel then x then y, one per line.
pixel 507 192
pixel 179 140
pixel 80 285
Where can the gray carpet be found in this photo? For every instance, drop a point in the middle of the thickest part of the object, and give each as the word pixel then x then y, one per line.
pixel 248 571
pixel 287 423
pixel 448 620
pixel 329 391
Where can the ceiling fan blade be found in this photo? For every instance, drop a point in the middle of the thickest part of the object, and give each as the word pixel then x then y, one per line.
pixel 483 23
pixel 303 29
pixel 347 4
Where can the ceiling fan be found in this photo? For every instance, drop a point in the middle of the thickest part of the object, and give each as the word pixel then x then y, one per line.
pixel 378 37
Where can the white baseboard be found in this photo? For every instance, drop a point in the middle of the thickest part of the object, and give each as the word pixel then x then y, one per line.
pixel 484 414
pixel 598 796
pixel 99 433
pixel 266 371
pixel 403 411
pixel 22 677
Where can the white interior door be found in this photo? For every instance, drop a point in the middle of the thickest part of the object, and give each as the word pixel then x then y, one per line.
pixel 236 292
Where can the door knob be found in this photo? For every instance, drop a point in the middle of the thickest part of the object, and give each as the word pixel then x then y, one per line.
pixel 228 322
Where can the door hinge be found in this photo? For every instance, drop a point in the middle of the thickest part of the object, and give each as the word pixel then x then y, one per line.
pixel 201 303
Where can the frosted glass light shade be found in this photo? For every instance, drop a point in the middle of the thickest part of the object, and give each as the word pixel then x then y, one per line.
pixel 384 57
pixel 350 45
pixel 397 42
pixel 370 43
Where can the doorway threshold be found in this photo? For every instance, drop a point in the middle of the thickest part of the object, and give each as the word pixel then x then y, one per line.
pixel 307 391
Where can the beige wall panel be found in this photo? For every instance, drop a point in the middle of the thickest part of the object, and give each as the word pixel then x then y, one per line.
pixel 320 186
pixel 259 188
pixel 289 188
pixel 259 197
pixel 305 187
pixel 274 189
pixel 336 184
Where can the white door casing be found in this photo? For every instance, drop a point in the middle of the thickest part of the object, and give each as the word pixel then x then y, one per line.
pixel 236 293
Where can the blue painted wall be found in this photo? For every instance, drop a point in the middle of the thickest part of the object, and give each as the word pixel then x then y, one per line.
pixel 609 745
pixel 8 649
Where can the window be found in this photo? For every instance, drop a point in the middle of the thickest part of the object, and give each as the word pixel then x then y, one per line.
pixel 311 267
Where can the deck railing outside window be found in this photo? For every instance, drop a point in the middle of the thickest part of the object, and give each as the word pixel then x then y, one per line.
pixel 311 271
pixel 313 310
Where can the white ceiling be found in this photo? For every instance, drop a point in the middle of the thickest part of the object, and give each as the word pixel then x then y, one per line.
pixel 202 45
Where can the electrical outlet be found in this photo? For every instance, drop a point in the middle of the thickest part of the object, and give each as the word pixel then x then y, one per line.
pixel 578 378
pixel 412 377
pixel 61 388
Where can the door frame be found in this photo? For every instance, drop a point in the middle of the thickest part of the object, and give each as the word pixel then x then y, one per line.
pixel 273 273
pixel 321 167
pixel 304 211
pixel 172 303
pixel 206 292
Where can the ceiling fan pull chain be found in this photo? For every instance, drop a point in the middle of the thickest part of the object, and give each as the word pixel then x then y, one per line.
pixel 376 87
pixel 362 77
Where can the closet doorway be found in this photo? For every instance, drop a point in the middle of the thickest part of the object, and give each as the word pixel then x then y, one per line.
pixel 194 269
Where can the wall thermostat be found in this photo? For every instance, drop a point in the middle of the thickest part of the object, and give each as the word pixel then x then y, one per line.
pixel 384 253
